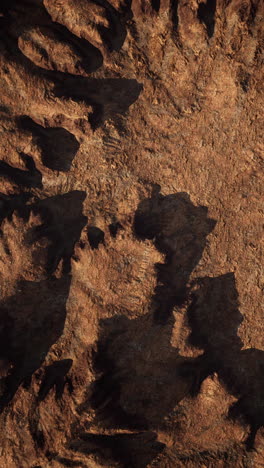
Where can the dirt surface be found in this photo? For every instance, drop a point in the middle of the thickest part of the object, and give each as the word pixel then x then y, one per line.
pixel 131 245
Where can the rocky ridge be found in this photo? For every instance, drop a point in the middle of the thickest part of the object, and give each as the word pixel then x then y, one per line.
pixel 131 233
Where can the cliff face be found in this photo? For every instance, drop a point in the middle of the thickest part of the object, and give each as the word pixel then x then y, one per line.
pixel 131 233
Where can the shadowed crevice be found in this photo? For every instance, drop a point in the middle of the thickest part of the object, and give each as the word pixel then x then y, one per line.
pixel 114 228
pixel 55 376
pixel 155 5
pixel 206 14
pixel 95 236
pixel 114 36
pixel 174 14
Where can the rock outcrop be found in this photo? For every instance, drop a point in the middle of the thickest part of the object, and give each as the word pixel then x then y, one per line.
pixel 131 239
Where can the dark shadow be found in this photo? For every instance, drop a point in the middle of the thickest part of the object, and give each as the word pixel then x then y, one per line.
pixel 55 377
pixel 69 463
pixel 155 5
pixel 27 337
pixel 6 5
pixel 63 222
pixel 14 202
pixel 214 315
pixel 30 178
pixel 243 376
pixel 114 36
pixel 139 383
pixel 114 228
pixel 106 393
pixel 4 110
pixel 252 13
pixel 107 96
pixel 131 450
pixel 214 319
pixel 174 14
pixel 179 230
pixel 58 146
pixel 206 14
pixel 244 80
pixel 95 236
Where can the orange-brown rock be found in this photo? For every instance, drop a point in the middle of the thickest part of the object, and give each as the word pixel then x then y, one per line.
pixel 131 241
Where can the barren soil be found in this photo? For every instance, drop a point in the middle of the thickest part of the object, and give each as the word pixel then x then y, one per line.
pixel 131 237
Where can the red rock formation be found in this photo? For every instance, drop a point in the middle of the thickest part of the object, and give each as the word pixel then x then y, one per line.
pixel 131 233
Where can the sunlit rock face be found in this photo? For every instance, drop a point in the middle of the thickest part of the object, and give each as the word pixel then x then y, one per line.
pixel 131 218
